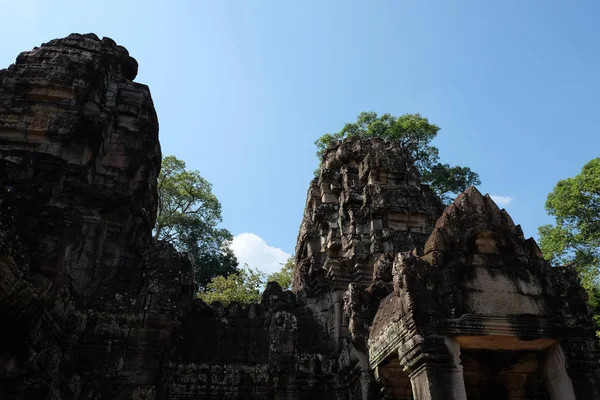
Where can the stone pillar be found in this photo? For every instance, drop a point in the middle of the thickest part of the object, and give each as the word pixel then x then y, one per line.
pixel 366 380
pixel 365 384
pixel 338 301
pixel 558 382
pixel 434 366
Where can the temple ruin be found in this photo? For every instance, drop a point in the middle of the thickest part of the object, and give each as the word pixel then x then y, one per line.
pixel 395 295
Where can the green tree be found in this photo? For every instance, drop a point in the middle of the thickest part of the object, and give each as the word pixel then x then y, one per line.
pixel 414 133
pixel 574 238
pixel 188 217
pixel 242 287
pixel 285 276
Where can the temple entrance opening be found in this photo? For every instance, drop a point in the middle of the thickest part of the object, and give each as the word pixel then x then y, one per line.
pixel 503 375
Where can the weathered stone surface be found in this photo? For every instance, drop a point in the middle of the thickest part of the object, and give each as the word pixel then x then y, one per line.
pixel 366 202
pixel 394 297
pixel 87 301
pixel 480 284
pixel 77 135
pixel 275 349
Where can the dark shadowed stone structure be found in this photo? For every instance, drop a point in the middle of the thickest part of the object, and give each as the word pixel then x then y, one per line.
pixel 394 297
pixel 88 303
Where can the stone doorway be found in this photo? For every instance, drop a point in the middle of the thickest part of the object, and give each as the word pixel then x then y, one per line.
pixel 394 381
pixel 504 375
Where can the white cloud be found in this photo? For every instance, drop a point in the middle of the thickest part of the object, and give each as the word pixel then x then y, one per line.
pixel 501 200
pixel 251 249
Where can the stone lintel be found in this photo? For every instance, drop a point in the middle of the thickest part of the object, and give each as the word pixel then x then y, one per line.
pixel 472 332
pixel 500 342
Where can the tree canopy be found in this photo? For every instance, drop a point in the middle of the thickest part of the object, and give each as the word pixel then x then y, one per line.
pixel 188 217
pixel 414 133
pixel 574 238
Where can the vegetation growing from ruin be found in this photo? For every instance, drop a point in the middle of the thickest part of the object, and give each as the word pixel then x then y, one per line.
pixel 574 238
pixel 284 276
pixel 188 217
pixel 414 133
pixel 243 287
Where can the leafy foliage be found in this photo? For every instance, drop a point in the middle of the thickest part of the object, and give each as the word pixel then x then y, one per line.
pixel 414 133
pixel 188 215
pixel 285 276
pixel 575 236
pixel 242 287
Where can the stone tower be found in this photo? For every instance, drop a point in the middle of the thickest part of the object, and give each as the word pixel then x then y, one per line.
pixel 88 302
pixel 366 204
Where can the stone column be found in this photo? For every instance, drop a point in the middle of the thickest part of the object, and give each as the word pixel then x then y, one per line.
pixel 558 382
pixel 366 379
pixel 338 301
pixel 365 383
pixel 434 366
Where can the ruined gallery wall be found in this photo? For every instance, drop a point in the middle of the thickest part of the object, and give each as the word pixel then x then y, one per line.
pixel 272 349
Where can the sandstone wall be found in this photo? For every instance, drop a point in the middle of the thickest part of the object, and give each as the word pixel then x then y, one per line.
pixel 274 349
pixel 87 301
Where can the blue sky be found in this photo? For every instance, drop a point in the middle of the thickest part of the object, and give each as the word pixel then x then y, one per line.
pixel 243 88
